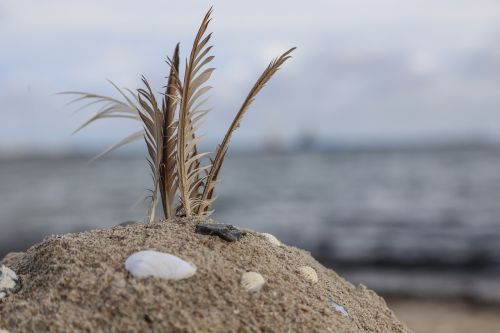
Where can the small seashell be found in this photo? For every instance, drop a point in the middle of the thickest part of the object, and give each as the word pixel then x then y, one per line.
pixel 271 239
pixel 9 282
pixel 158 264
pixel 252 281
pixel 308 273
pixel 339 308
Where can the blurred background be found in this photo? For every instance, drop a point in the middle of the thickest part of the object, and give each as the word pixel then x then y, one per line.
pixel 377 147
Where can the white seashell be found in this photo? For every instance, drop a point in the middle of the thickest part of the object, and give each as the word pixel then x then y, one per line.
pixel 271 239
pixel 252 281
pixel 9 281
pixel 158 264
pixel 308 273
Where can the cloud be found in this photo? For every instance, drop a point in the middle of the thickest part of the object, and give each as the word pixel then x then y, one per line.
pixel 363 70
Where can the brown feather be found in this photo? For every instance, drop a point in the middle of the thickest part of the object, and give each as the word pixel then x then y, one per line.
pixel 207 195
pixel 188 158
pixel 171 144
pixel 153 119
pixel 168 172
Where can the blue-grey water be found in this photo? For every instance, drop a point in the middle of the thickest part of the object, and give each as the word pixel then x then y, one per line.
pixel 418 222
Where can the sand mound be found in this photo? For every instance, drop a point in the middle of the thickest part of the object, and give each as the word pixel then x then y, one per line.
pixel 77 282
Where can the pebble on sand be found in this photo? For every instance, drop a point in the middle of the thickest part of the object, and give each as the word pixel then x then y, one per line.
pixel 225 231
pixel 158 264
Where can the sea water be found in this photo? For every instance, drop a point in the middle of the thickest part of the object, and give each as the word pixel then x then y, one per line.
pixel 400 221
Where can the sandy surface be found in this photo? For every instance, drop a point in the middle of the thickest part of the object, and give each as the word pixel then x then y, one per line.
pixel 447 316
pixel 77 283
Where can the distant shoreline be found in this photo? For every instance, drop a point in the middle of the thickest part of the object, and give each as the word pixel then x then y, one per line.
pixel 320 147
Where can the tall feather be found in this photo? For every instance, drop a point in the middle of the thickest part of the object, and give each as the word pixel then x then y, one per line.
pixel 190 117
pixel 152 118
pixel 168 172
pixel 207 195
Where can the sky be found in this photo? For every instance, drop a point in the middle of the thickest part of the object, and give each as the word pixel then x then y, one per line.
pixel 364 71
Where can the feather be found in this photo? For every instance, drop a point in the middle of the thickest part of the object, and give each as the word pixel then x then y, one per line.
pixel 125 141
pixel 111 108
pixel 171 140
pixel 153 120
pixel 168 174
pixel 193 88
pixel 211 180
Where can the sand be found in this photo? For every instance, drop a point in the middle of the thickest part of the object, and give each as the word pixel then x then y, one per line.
pixel 447 315
pixel 77 283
